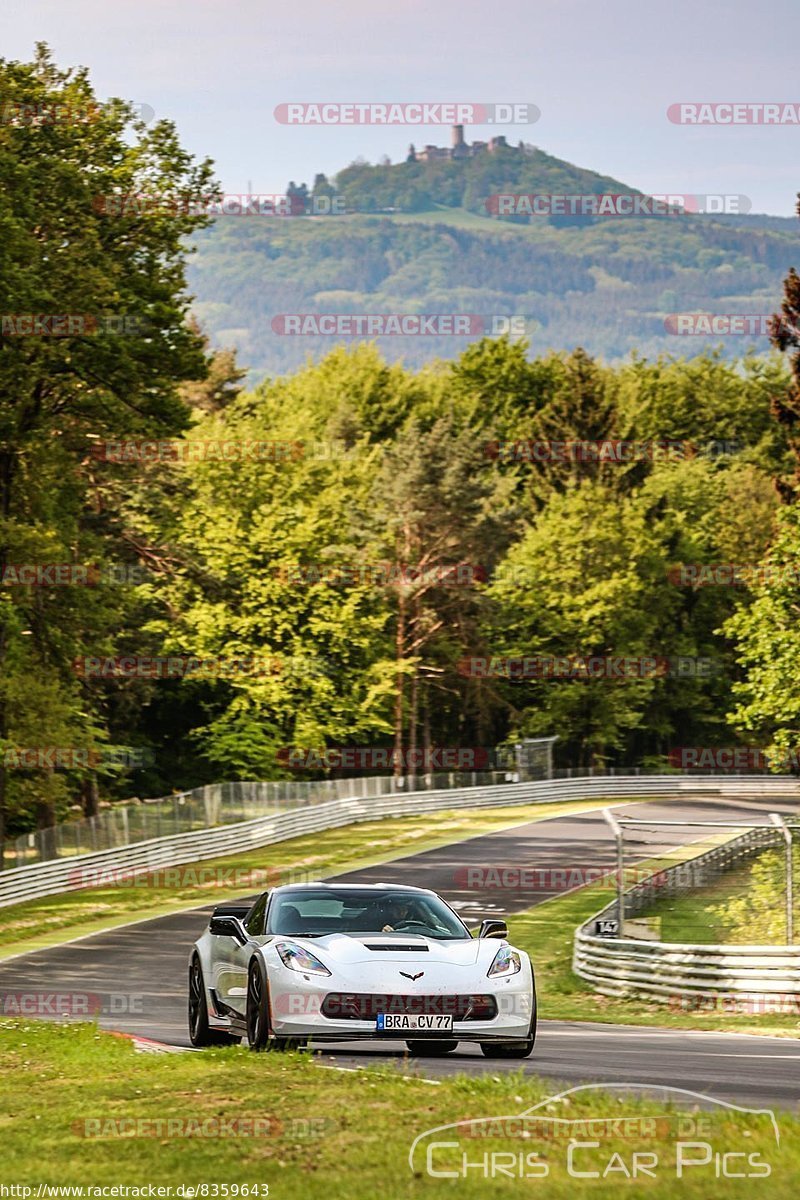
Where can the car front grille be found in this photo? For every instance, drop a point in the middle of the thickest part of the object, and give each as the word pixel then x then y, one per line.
pixel 365 1006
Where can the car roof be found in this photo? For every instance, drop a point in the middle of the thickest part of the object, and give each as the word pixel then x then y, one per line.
pixel 321 885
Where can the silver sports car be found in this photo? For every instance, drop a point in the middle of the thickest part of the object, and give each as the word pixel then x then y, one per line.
pixel 340 962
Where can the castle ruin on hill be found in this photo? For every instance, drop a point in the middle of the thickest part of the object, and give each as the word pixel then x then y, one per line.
pixel 458 148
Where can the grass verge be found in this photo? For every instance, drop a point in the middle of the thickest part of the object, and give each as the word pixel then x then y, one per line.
pixel 547 933
pixel 693 918
pixel 82 1108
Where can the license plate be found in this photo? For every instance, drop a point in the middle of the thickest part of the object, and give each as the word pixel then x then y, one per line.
pixel 414 1023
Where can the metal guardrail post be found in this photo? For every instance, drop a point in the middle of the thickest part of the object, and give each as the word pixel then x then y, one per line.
pixel 778 821
pixel 616 829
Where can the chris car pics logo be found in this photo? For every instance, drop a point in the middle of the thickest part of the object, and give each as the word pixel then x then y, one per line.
pixel 562 1138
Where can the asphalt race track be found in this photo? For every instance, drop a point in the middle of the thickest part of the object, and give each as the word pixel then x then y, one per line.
pixel 147 962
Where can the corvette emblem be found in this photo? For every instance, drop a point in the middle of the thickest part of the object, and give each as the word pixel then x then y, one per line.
pixel 412 977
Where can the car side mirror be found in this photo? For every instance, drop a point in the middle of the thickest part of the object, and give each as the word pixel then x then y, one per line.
pixel 229 927
pixel 493 928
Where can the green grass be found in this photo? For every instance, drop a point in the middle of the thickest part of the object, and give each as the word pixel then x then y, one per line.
pixel 547 933
pixel 691 918
pixel 326 1134
pixel 55 919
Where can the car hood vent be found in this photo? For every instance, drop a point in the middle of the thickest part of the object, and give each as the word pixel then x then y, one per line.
pixel 417 948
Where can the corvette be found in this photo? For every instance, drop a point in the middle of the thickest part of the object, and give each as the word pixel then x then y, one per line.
pixel 345 962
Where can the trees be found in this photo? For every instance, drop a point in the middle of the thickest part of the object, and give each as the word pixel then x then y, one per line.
pixel 444 523
pixel 786 336
pixel 274 565
pixel 768 631
pixel 767 644
pixel 105 359
pixel 576 585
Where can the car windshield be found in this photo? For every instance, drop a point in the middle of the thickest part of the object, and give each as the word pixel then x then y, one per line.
pixel 354 911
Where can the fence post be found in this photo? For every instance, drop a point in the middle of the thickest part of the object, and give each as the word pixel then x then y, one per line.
pixel 778 820
pixel 616 829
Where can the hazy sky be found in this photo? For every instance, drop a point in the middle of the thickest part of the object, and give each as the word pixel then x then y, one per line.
pixel 603 75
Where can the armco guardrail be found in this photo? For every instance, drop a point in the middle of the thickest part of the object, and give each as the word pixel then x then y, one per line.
pixel 70 874
pixel 683 973
pixel 215 804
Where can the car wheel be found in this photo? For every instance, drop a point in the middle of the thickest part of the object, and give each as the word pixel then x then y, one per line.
pixel 259 1033
pixel 432 1049
pixel 512 1049
pixel 257 1006
pixel 200 1032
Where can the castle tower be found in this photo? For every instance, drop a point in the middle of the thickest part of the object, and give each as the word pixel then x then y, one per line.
pixel 459 146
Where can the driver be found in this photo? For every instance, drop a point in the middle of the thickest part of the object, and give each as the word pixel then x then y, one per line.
pixel 396 913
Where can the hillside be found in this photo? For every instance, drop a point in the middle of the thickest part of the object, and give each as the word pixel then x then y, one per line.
pixel 421 241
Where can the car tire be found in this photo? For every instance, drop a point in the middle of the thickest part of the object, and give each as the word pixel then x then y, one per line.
pixel 431 1049
pixel 257 1010
pixel 259 1031
pixel 200 1032
pixel 512 1049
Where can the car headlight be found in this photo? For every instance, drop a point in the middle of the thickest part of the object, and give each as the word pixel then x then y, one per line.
pixel 506 962
pixel 298 959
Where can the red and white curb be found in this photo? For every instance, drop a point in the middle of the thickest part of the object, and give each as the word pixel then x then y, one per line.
pixel 146 1045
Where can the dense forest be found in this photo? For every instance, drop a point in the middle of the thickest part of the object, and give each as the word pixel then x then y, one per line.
pixel 197 576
